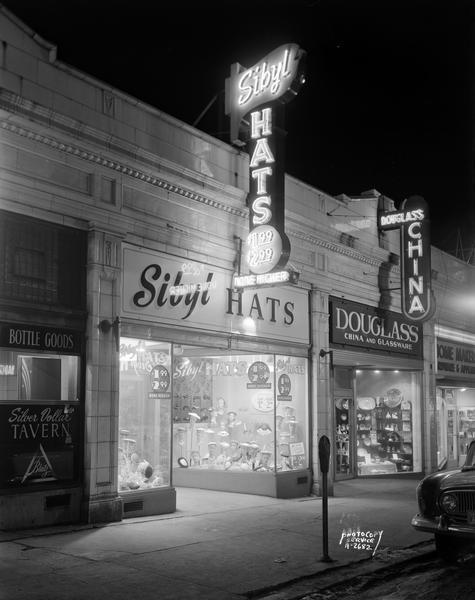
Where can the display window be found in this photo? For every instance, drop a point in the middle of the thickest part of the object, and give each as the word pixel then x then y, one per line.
pixel 144 415
pixel 39 418
pixel 455 420
pixel 442 424
pixel 388 421
pixel 239 412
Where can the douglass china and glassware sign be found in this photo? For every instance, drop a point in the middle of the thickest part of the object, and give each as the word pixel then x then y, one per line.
pixel 185 293
pixel 355 324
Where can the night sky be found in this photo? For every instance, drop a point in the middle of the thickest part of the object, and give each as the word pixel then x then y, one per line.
pixel 388 102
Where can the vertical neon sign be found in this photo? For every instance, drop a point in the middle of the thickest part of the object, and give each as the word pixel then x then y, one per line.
pixel 417 303
pixel 254 97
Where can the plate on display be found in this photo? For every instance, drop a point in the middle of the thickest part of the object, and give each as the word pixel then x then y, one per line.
pixel 183 462
pixel 342 403
pixel 367 403
pixel 393 398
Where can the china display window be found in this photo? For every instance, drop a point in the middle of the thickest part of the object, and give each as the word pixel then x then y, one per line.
pixel 239 412
pixel 388 422
pixel 144 415
pixel 39 418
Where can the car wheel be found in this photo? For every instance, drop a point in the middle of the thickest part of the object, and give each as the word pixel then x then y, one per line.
pixel 447 548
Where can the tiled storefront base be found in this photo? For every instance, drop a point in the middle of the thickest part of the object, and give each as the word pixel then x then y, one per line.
pixel 40 509
pixel 291 484
pixel 149 502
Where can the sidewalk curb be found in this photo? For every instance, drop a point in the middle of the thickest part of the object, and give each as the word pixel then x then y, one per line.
pixel 344 572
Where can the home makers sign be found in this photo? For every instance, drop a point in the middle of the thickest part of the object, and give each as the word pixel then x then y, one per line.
pixel 354 324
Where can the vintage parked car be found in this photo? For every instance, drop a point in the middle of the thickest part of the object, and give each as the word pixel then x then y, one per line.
pixel 447 508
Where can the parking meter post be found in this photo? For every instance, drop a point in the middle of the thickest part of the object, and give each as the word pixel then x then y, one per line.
pixel 324 458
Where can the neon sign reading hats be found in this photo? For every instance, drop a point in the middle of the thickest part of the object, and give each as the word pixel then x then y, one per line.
pixel 417 302
pixel 253 94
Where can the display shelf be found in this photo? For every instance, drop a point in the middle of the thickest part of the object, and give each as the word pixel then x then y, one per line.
pixel 394 435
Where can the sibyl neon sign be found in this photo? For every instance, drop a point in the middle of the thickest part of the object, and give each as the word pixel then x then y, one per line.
pixel 254 96
pixel 417 302
pixel 278 76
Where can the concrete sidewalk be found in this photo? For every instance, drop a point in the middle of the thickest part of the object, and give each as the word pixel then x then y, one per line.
pixel 217 546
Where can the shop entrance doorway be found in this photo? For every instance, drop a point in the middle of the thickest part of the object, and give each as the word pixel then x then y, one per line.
pixel 455 425
pixel 344 437
pixel 343 410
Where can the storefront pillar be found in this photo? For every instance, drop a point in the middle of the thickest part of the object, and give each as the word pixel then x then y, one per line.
pixel 101 500
pixel 321 385
pixel 429 400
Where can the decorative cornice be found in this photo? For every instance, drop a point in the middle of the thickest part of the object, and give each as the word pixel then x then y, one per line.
pixel 338 249
pixel 122 168
pixel 18 105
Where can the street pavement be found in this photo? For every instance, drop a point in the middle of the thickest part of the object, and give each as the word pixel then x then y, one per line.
pixel 216 546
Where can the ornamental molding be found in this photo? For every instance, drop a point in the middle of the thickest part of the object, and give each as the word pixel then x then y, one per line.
pixel 339 249
pixel 18 105
pixel 15 104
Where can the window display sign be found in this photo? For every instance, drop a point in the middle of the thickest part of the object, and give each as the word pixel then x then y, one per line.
pixel 39 444
pixel 258 375
pixel 148 277
pixel 455 359
pixel 355 324
pixel 255 92
pixel 160 382
pixel 417 301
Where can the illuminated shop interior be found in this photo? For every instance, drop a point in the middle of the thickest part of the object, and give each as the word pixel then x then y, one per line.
pixel 378 422
pixel 197 409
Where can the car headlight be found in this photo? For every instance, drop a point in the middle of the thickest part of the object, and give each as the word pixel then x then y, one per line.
pixel 449 503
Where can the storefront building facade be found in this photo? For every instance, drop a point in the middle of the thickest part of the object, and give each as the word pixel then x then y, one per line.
pixel 169 376
pixel 227 370
pixel 42 341
pixel 377 365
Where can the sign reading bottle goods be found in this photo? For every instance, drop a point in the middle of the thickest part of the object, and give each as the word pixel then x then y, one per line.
pixel 252 97
pixel 417 303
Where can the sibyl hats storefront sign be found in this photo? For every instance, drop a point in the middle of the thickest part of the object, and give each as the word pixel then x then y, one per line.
pixel 174 292
pixel 355 324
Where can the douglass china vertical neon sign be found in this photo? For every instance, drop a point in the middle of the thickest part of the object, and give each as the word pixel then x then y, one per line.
pixel 252 96
pixel 417 302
